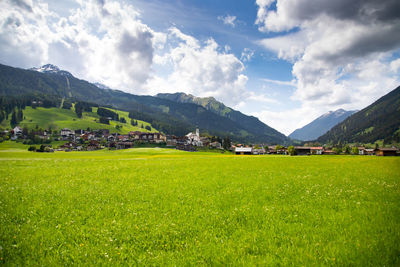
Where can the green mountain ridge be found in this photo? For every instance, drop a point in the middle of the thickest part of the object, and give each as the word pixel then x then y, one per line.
pixel 378 121
pixel 249 123
pixel 168 116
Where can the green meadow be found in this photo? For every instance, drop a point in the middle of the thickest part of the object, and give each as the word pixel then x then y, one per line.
pixel 165 207
pixel 57 118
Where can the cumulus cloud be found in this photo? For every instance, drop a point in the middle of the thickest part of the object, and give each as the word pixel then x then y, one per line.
pixel 201 69
pixel 342 51
pixel 228 20
pixel 101 41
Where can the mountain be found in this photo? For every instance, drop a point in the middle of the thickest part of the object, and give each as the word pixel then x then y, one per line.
pixel 321 125
pixel 251 124
pixel 378 121
pixel 166 115
pixel 101 86
pixel 49 68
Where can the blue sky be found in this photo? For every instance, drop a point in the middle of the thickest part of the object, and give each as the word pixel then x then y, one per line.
pixel 284 61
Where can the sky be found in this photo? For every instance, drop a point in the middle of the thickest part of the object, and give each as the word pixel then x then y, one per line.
pixel 284 61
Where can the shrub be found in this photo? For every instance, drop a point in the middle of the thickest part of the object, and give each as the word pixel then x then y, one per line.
pixel 32 148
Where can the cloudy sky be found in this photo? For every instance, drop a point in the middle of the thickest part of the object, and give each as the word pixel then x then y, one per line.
pixel 284 61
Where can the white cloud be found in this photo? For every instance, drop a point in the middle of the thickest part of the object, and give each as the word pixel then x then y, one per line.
pixel 341 50
pixel 247 54
pixel 228 20
pixel 201 69
pixel 101 41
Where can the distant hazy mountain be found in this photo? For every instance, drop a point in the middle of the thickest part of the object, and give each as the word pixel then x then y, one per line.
pixel 171 117
pixel 251 124
pixel 378 121
pixel 321 125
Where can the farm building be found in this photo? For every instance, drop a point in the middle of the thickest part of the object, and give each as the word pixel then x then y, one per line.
pixel 369 152
pixel 386 151
pixel 302 150
pixel 317 150
pixel 244 151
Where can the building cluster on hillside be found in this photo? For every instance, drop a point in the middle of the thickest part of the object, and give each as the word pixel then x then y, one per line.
pixel 97 139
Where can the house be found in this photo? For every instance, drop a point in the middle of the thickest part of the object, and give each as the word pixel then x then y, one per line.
pixel 244 151
pixel 17 132
pixel 302 150
pixel 124 145
pixel 159 137
pixel 369 151
pixel 93 145
pixel 361 150
pixel 216 145
pixel 386 151
pixel 259 151
pixel 205 140
pixel 317 150
pixel 328 152
pixel 67 134
pixel 171 140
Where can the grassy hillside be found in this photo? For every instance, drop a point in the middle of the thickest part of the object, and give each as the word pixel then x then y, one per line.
pixel 378 121
pixel 161 207
pixel 57 118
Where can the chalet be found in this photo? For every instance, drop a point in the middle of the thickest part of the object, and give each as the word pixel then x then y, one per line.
pixel 259 151
pixel 386 151
pixel 123 138
pixel 271 150
pixel 79 132
pixel 369 151
pixel 67 134
pixel 171 140
pixel 159 137
pixel 317 150
pixel 244 151
pixel 93 145
pixel 361 150
pixel 302 150
pixel 216 145
pixel 328 152
pixel 124 145
pixel 205 140
pixel 17 132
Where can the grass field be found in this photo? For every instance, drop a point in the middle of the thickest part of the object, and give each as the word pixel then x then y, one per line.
pixel 57 118
pixel 167 207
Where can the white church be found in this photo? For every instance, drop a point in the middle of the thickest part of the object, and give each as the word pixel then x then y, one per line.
pixel 194 138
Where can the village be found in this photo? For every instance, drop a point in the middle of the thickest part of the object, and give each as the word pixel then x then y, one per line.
pixel 89 140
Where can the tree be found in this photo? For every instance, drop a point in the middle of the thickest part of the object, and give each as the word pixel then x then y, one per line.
pixel 346 149
pixel 20 115
pixel 354 150
pixel 148 128
pixel 14 119
pixel 122 120
pixel 337 150
pixel 291 150
pixel 227 143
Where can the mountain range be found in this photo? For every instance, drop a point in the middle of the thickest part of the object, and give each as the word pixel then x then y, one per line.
pixel 180 113
pixel 321 125
pixel 170 116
